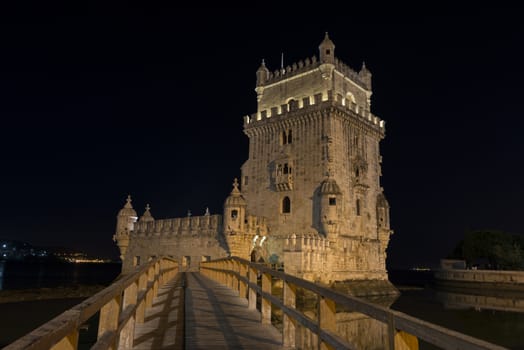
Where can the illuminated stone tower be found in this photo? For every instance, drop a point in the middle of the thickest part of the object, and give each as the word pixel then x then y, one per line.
pixel 314 169
pixel 310 194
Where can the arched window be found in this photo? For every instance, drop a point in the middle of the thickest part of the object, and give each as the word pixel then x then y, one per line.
pixel 289 137
pixel 234 214
pixel 286 169
pixel 286 205
pixel 358 207
pixel 284 137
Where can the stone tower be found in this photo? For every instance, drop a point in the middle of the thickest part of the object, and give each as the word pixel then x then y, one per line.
pixel 310 194
pixel 314 169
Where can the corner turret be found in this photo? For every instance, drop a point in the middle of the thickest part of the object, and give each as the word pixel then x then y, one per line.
pixel 327 57
pixel 234 219
pixel 327 50
pixel 365 76
pixel 125 222
pixel 262 77
pixel 330 200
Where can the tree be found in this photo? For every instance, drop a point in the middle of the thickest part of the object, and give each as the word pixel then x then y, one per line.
pixel 501 250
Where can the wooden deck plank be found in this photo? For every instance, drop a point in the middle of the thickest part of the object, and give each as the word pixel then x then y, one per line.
pixel 160 323
pixel 216 318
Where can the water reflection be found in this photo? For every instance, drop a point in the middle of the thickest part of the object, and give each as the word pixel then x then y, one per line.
pixel 479 299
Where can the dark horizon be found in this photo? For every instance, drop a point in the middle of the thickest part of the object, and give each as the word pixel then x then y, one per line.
pixel 149 102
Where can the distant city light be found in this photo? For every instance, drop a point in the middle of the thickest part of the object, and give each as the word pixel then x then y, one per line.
pixel 4 245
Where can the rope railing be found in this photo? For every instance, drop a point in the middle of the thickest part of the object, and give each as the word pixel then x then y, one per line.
pixel 241 275
pixel 121 306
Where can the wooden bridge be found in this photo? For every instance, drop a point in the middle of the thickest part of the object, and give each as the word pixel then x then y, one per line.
pixel 230 304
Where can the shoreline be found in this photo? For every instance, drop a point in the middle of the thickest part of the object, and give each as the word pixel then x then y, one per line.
pixel 35 294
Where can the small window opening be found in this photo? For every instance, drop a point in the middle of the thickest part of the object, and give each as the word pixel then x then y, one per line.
pixel 357 172
pixel 289 137
pixel 332 201
pixel 286 169
pixel 234 214
pixel 328 52
pixel 358 207
pixel 136 261
pixel 246 178
pixel 286 205
pixel 284 138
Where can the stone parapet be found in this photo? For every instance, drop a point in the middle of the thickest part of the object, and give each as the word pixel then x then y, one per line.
pixel 191 225
pixel 312 104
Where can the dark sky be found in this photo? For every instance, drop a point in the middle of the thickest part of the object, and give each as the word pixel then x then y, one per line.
pixel 97 103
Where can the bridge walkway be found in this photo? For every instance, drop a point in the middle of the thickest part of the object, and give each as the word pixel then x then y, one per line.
pixel 215 318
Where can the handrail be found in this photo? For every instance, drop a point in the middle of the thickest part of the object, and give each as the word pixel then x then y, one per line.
pixel 121 305
pixel 241 275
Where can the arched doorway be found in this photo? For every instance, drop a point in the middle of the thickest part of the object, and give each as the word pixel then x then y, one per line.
pixel 257 255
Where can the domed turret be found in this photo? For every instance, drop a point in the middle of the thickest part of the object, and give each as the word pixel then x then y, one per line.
pixel 147 217
pixel 329 187
pixel 127 210
pixel 330 199
pixel 235 198
pixel 234 216
pixel 125 222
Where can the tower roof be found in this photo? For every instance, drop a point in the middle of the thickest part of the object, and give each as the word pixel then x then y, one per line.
pixel 235 198
pixel 127 210
pixel 327 42
pixel 147 217
pixel 329 186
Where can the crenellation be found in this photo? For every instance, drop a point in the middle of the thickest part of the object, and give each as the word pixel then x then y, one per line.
pixel 315 102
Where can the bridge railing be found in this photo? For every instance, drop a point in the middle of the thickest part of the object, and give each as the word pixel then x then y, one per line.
pixel 241 275
pixel 121 305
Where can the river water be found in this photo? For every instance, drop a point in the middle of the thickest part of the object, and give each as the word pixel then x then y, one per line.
pixel 473 314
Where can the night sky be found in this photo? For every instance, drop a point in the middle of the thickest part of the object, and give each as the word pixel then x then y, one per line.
pixel 97 103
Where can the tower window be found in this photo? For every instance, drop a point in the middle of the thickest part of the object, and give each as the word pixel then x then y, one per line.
pixel 286 169
pixel 287 137
pixel 332 201
pixel 234 214
pixel 286 205
pixel 328 52
pixel 246 178
pixel 358 207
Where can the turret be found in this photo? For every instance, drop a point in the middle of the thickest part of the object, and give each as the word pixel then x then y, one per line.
pixel 147 217
pixel 125 222
pixel 234 217
pixel 330 200
pixel 262 77
pixel 327 50
pixel 365 76
pixel 327 57
pixel 382 213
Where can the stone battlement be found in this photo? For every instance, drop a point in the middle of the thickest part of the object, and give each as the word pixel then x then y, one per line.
pixel 190 225
pixel 315 102
pixel 305 243
pixel 308 64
